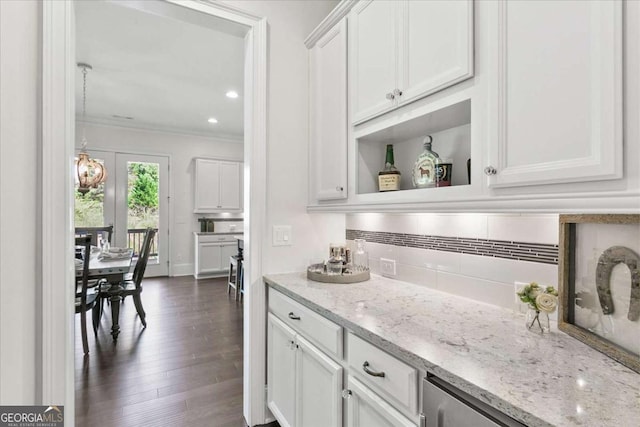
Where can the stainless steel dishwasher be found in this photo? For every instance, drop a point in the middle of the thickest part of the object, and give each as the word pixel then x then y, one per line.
pixel 445 406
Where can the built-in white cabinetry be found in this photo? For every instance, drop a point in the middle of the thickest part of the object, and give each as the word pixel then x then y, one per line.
pixel 547 122
pixel 212 254
pixel 404 50
pixel 367 409
pixel 217 186
pixel 555 92
pixel 328 114
pixel 303 384
pixel 305 367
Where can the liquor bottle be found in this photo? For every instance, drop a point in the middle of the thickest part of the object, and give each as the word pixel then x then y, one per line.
pixel 424 170
pixel 389 177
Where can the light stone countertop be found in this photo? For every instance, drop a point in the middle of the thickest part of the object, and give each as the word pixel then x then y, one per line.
pixel 550 380
pixel 215 233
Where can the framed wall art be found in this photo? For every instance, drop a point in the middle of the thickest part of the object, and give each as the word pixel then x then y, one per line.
pixel 599 281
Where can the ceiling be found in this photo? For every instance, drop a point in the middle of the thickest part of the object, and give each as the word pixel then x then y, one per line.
pixel 160 66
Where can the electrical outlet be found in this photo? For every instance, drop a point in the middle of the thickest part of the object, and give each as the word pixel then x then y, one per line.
pixel 388 267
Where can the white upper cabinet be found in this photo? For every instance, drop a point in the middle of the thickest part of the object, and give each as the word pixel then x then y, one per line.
pixel 555 92
pixel 401 51
pixel 373 55
pixel 328 149
pixel 436 47
pixel 217 186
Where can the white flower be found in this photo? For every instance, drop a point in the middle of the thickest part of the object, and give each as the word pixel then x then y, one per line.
pixel 546 302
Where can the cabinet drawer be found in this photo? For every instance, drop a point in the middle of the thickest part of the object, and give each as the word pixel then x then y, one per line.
pixel 216 238
pixel 310 324
pixel 400 381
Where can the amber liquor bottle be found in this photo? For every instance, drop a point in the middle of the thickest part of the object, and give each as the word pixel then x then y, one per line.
pixel 389 177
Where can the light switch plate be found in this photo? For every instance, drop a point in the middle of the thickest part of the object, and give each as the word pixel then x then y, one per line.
pixel 282 235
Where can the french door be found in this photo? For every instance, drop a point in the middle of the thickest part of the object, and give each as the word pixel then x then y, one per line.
pixel 134 197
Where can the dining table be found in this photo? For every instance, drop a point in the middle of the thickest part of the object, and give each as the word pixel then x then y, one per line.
pixel 112 267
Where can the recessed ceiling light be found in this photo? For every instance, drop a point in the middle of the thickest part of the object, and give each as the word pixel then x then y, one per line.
pixel 212 120
pixel 232 94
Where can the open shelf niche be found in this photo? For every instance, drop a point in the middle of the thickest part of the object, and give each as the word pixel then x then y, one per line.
pixel 450 128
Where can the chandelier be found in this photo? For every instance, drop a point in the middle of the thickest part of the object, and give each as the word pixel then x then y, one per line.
pixel 89 172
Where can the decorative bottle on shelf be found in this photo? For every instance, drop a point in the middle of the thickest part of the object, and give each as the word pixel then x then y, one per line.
pixel 424 170
pixel 389 177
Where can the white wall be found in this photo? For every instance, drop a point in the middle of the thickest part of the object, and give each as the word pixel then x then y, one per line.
pixel 181 149
pixel 290 22
pixel 19 147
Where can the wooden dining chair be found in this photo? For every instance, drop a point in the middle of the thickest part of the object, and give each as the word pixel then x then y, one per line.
pixel 134 287
pixel 94 232
pixel 86 301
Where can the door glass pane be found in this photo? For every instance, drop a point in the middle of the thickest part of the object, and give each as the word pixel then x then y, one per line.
pixel 89 207
pixel 143 205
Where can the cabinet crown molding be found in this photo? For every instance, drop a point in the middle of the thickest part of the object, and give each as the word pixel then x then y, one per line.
pixel 338 12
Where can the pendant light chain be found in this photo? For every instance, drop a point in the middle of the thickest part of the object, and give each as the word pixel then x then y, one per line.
pixel 84 104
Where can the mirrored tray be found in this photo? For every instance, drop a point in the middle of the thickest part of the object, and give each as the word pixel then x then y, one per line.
pixel 347 277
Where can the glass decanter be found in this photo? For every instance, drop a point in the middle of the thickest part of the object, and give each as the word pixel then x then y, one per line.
pixel 424 170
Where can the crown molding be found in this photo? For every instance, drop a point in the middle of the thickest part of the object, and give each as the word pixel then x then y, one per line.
pixel 338 12
pixel 158 128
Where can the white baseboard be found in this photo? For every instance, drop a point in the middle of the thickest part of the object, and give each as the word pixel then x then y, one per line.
pixel 182 270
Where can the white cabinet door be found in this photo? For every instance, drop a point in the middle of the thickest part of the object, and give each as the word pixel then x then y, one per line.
pixel 281 371
pixel 227 250
pixel 318 387
pixel 230 190
pixel 328 153
pixel 555 95
pixel 436 48
pixel 373 50
pixel 207 185
pixel 209 258
pixel 366 409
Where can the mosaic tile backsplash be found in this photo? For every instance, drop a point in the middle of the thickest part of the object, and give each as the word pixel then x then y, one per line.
pixel 520 251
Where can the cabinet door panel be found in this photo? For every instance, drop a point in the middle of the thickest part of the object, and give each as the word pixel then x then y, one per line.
pixel 328 154
pixel 230 190
pixel 437 46
pixel 281 364
pixel 209 258
pixel 556 95
pixel 319 388
pixel 373 41
pixel 366 409
pixel 207 185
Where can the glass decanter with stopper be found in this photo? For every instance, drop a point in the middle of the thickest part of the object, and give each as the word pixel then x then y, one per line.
pixel 389 177
pixel 360 256
pixel 424 170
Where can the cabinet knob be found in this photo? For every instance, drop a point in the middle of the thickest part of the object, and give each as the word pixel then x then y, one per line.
pixel 397 92
pixel 390 96
pixel 490 170
pixel 339 189
pixel 346 394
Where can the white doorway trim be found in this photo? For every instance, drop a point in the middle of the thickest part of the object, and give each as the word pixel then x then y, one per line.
pixel 56 353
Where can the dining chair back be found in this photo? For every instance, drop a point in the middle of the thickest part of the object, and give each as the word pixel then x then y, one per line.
pixel 94 232
pixel 84 300
pixel 134 287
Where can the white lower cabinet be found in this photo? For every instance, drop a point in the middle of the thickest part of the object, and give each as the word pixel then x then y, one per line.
pixel 212 253
pixel 303 384
pixel 281 371
pixel 367 409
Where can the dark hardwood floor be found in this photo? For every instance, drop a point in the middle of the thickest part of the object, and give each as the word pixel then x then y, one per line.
pixel 184 369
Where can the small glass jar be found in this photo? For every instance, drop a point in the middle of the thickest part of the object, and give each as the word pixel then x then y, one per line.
pixel 537 321
pixel 335 265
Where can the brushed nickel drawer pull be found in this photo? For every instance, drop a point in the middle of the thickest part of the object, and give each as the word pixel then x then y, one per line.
pixel 293 316
pixel 365 367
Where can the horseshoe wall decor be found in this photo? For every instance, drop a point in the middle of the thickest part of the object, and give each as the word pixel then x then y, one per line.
pixel 609 259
